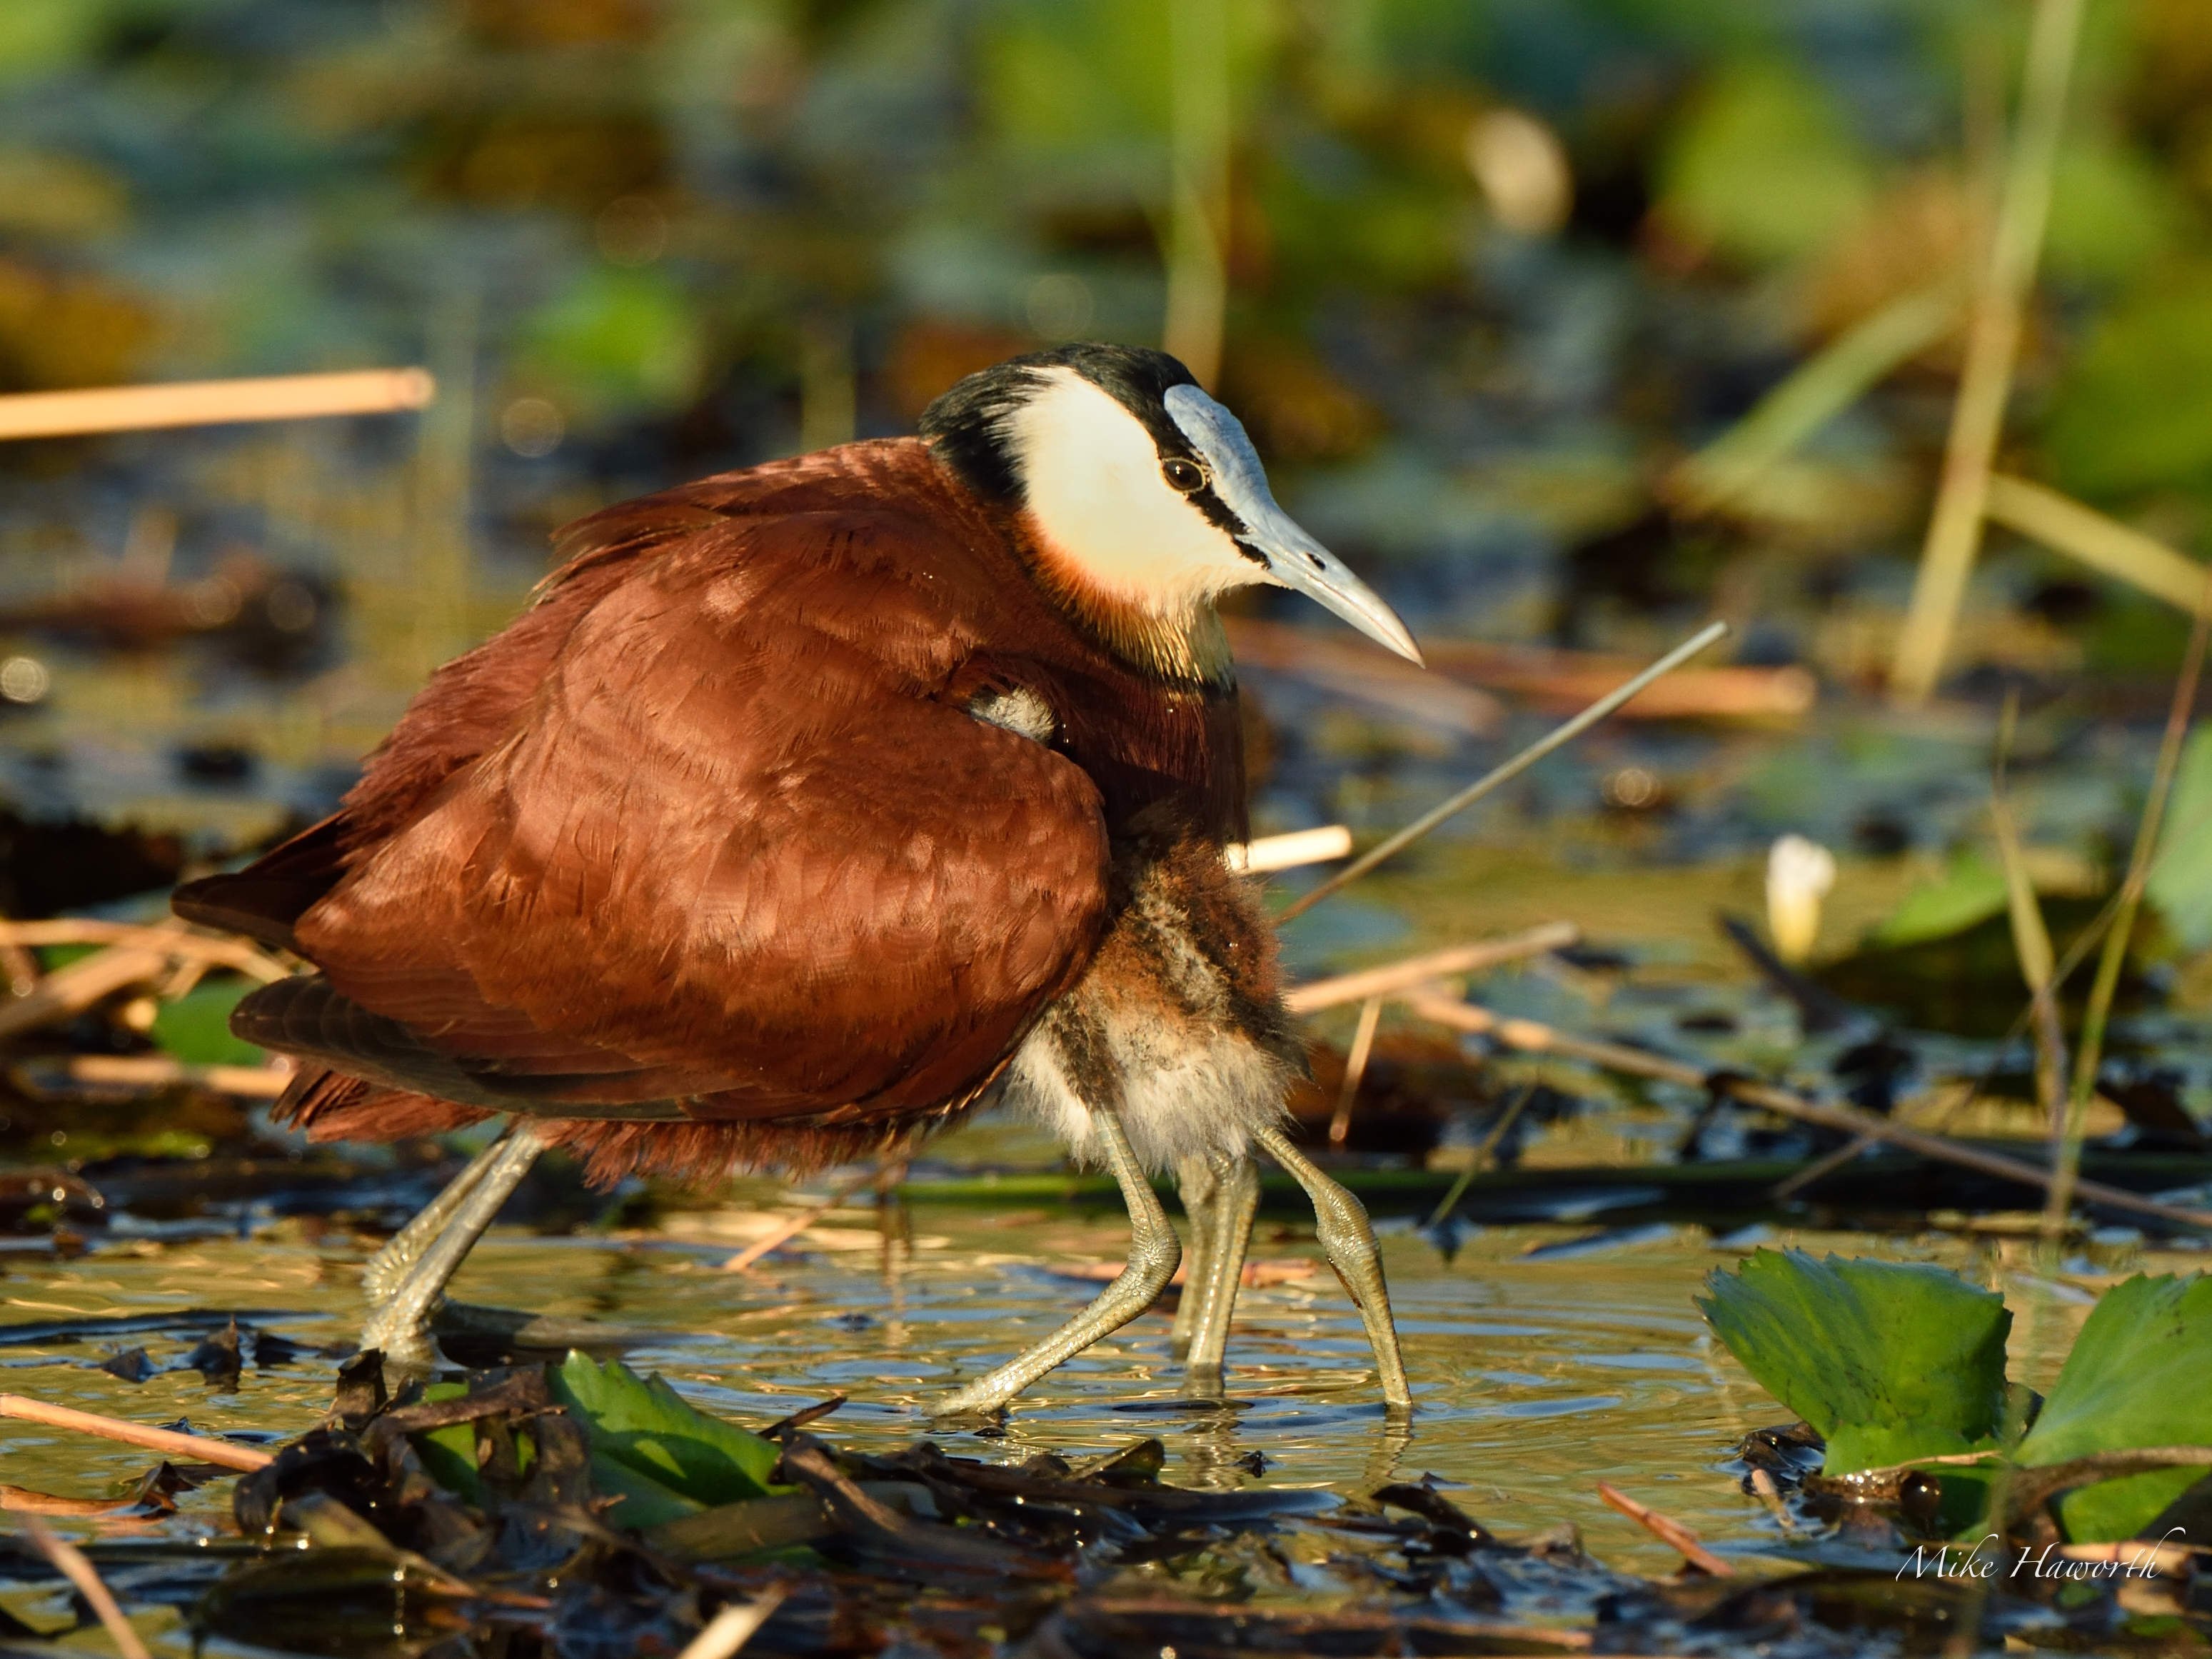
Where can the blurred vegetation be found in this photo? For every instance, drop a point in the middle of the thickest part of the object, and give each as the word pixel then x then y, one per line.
pixel 1482 276
pixel 1453 240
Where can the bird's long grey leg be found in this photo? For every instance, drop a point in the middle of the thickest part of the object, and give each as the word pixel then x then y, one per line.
pixel 1195 1185
pixel 1236 1201
pixel 1348 1240
pixel 1154 1252
pixel 400 1324
pixel 381 1274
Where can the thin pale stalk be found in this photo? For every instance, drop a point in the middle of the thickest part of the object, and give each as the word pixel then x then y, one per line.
pixel 1954 528
pixel 2031 942
pixel 1355 1070
pixel 2104 545
pixel 2067 1167
pixel 1481 1156
pixel 73 1564
pixel 1512 768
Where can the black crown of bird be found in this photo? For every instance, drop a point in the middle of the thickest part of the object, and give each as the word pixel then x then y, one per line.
pixel 811 806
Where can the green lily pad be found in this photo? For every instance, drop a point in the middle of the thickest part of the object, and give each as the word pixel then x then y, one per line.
pixel 1890 1361
pixel 663 1455
pixel 2136 1377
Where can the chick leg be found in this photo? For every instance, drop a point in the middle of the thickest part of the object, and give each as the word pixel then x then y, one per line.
pixel 1348 1240
pixel 1154 1252
pixel 381 1274
pixel 1196 1187
pixel 400 1323
pixel 1236 1201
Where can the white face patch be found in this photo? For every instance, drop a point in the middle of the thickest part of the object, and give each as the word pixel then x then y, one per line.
pixel 1091 475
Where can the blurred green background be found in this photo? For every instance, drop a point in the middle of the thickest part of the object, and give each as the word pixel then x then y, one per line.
pixel 1480 274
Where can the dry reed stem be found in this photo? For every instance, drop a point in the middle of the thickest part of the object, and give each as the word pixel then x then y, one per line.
pixel 1532 1036
pixel 22 1500
pixel 728 1631
pixel 151 1072
pixel 69 1561
pixel 1542 677
pixel 1290 851
pixel 2030 941
pixel 68 991
pixel 176 942
pixel 189 1447
pixel 1364 673
pixel 213 402
pixel 1954 527
pixel 2104 545
pixel 1668 1530
pixel 1449 963
pixel 1355 1070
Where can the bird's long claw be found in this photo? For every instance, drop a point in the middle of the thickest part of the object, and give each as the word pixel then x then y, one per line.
pixel 1154 1253
pixel 1348 1238
pixel 407 1278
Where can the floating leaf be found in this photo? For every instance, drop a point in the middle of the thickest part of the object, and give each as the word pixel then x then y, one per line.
pixel 195 1027
pixel 1765 165
pixel 2136 1377
pixel 1971 890
pixel 1890 1361
pixel 661 1454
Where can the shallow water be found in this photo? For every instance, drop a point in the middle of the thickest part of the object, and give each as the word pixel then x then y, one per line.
pixel 1535 1376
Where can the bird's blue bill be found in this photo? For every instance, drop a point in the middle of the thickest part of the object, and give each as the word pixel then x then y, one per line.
pixel 1293 558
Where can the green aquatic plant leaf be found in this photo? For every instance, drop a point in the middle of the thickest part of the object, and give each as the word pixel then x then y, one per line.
pixel 1971 890
pixel 449 1453
pixel 1890 1361
pixel 661 1454
pixel 195 1027
pixel 2135 1377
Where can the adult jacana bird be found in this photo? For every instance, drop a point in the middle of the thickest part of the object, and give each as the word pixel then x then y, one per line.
pixel 814 804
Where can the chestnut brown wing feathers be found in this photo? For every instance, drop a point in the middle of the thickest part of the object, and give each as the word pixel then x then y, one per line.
pixel 733 850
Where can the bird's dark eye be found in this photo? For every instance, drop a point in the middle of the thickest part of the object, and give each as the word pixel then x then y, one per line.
pixel 1188 477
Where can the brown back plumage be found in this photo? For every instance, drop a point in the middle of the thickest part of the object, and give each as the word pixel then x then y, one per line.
pixel 708 833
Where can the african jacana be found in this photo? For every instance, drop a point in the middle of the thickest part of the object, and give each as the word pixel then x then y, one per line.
pixel 817 803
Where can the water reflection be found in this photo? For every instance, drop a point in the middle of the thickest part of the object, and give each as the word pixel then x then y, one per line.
pixel 1535 1377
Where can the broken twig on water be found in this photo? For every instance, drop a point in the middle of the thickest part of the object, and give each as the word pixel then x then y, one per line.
pixel 1668 1530
pixel 1511 769
pixel 187 1448
pixel 1447 964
